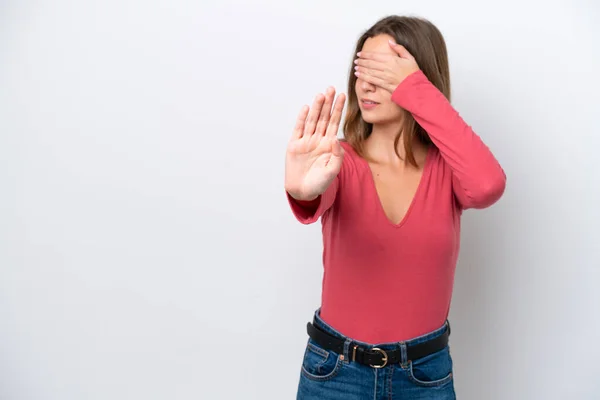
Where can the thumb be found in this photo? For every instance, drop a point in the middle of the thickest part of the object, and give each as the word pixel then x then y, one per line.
pixel 337 156
pixel 336 148
pixel 400 50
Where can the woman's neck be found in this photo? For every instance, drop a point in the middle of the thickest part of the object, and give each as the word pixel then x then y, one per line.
pixel 379 146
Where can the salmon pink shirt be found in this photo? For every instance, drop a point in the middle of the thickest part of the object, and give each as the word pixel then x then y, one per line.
pixel 386 282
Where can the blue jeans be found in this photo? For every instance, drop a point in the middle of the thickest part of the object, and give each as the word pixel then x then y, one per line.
pixel 326 375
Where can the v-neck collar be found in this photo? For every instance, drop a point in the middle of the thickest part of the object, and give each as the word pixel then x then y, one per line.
pixel 422 180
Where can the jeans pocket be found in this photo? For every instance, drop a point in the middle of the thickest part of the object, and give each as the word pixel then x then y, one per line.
pixel 319 364
pixel 432 370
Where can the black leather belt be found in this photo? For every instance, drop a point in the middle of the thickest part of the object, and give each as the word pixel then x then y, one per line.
pixel 374 356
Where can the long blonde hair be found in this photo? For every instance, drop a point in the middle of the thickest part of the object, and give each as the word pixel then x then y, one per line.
pixel 425 42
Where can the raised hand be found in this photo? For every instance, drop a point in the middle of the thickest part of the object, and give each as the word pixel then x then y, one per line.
pixel 385 70
pixel 314 155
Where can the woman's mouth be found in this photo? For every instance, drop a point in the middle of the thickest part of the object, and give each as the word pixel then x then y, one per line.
pixel 369 104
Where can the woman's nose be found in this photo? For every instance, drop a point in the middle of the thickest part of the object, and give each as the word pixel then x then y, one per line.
pixel 366 86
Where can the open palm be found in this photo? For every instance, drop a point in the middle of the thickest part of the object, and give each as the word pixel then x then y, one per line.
pixel 314 155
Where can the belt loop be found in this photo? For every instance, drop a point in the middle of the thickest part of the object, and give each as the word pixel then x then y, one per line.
pixel 403 354
pixel 347 344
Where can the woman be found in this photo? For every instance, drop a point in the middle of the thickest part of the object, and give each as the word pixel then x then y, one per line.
pixel 390 197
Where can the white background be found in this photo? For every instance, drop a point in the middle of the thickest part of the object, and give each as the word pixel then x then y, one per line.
pixel 146 247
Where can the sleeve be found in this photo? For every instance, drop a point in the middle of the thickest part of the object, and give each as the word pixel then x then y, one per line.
pixel 308 212
pixel 478 180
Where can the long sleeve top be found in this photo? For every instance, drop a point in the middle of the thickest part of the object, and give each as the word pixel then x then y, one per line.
pixel 386 282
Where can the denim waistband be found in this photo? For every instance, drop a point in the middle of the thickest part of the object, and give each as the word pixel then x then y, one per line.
pixel 318 321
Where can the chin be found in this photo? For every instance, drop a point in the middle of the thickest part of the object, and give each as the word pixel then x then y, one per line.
pixel 380 117
pixel 371 118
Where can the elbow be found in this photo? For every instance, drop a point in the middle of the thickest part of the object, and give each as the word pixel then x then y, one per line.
pixel 488 193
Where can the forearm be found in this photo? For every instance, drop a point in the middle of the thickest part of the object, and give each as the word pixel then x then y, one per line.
pixel 478 178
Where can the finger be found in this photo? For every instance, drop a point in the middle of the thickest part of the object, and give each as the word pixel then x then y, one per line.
pixel 370 79
pixel 376 56
pixel 313 115
pixel 336 116
pixel 378 65
pixel 401 50
pixel 325 112
pixel 300 121
pixel 371 72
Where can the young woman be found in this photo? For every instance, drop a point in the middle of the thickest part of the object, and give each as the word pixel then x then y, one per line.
pixel 390 198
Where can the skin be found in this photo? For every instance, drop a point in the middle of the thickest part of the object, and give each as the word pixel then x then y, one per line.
pixel 380 67
pixel 314 156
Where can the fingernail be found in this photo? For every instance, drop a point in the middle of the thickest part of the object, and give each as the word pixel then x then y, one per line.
pixel 358 54
pixel 392 42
